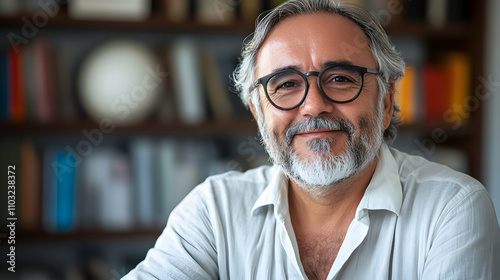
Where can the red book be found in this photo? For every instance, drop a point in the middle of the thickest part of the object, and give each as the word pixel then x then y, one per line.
pixel 17 106
pixel 436 92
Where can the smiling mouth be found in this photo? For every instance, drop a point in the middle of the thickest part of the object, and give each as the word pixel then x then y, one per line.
pixel 319 133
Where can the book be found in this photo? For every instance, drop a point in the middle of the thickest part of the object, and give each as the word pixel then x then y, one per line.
pixel 458 71
pixel 179 171
pixel 44 81
pixel 59 201
pixel 217 94
pixel 106 191
pixel 17 105
pixel 436 92
pixel 187 82
pixel 167 177
pixel 406 95
pixel 127 10
pixel 142 157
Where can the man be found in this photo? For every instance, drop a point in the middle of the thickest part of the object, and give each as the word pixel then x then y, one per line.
pixel 338 203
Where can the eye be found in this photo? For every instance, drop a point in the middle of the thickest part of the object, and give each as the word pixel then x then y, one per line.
pixel 340 79
pixel 287 85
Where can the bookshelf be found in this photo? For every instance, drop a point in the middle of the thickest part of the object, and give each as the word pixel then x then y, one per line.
pixel 230 142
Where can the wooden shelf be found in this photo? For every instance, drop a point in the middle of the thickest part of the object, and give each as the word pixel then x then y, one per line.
pixel 210 128
pixel 43 236
pixel 156 22
pixel 159 22
pixel 427 128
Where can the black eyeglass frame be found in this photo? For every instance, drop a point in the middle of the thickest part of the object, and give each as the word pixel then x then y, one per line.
pixel 361 70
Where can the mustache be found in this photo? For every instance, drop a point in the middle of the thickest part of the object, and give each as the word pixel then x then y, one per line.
pixel 319 123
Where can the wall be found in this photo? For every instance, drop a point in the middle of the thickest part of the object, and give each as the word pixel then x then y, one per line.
pixel 491 150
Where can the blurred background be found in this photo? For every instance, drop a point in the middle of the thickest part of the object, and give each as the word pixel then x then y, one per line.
pixel 112 111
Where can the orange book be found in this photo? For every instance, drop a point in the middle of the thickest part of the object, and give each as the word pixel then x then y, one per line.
pixel 406 95
pixel 457 66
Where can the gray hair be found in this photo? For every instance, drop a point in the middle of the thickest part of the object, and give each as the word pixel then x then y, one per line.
pixel 390 64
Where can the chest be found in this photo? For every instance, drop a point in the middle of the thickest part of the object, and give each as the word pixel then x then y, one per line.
pixel 317 253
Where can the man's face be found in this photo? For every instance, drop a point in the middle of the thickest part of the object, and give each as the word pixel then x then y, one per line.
pixel 320 137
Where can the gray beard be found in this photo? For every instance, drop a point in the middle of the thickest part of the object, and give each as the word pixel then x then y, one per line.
pixel 324 170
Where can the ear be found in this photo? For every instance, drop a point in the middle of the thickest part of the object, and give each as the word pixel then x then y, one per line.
pixel 252 108
pixel 389 104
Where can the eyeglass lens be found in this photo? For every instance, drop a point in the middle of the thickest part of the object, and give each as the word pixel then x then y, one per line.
pixel 287 89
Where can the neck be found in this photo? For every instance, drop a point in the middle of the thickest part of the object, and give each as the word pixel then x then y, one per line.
pixel 332 209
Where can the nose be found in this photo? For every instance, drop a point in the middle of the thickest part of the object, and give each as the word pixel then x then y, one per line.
pixel 315 103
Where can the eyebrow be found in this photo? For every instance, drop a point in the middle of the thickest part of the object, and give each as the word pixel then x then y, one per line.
pixel 325 64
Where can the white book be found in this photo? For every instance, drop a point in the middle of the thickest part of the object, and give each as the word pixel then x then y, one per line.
pixel 166 174
pixel 106 194
pixel 116 195
pixel 142 157
pixel 187 81
pixel 131 10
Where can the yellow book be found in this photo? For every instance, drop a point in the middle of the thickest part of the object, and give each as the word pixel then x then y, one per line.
pixel 459 75
pixel 406 96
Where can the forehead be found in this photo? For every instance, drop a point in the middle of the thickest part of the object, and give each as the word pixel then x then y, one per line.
pixel 309 41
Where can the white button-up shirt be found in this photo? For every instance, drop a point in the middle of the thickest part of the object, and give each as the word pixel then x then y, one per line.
pixel 416 220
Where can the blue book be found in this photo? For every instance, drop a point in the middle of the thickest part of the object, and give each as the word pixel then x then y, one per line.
pixel 66 184
pixel 59 191
pixel 4 85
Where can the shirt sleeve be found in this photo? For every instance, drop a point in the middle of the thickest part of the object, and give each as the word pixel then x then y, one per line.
pixel 185 249
pixel 466 243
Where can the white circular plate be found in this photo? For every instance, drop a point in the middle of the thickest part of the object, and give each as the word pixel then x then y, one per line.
pixel 118 82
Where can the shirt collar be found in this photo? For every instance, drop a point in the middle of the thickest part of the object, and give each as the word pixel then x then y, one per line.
pixel 383 192
pixel 276 193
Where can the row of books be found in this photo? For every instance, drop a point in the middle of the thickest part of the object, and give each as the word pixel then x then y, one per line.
pixel 436 92
pixel 69 188
pixel 27 84
pixel 435 12
pixel 212 12
pixel 38 86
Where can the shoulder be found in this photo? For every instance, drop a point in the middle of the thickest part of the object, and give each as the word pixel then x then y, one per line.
pixel 230 190
pixel 434 193
pixel 418 174
pixel 253 181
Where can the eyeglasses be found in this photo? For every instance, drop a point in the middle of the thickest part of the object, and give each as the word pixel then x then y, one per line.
pixel 287 89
